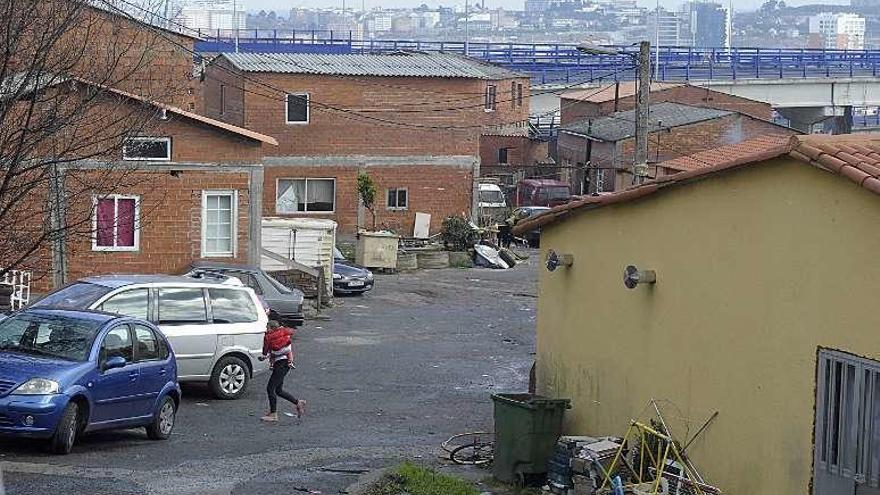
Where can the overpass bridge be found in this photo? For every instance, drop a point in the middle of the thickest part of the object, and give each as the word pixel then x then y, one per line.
pixel 805 85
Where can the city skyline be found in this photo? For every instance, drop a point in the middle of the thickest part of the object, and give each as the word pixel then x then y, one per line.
pixel 285 5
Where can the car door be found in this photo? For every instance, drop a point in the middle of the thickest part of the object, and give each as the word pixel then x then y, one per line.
pixel 153 368
pixel 183 318
pixel 115 390
pixel 237 320
pixel 131 302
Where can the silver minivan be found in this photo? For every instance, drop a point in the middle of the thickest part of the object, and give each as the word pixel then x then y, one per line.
pixel 215 327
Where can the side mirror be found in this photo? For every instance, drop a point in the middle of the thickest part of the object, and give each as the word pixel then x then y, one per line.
pixel 114 362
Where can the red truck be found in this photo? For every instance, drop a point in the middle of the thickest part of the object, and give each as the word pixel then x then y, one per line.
pixel 542 192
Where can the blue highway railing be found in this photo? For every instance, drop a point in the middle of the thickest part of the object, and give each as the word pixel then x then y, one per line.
pixel 558 63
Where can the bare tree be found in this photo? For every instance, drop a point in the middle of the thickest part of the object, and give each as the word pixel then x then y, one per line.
pixel 76 81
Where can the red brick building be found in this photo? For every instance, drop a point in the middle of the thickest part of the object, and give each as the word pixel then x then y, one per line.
pixel 580 104
pixel 599 152
pixel 171 187
pixel 412 121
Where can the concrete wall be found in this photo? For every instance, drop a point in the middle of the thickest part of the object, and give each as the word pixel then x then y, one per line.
pixel 756 270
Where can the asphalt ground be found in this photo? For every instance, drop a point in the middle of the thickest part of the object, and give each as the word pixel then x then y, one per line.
pixel 387 377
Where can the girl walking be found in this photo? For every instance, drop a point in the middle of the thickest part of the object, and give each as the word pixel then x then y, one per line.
pixel 278 347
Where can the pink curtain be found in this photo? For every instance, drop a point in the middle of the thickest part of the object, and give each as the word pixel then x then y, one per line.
pixel 104 234
pixel 125 228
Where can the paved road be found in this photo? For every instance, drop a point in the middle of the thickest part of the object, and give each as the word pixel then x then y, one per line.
pixel 388 376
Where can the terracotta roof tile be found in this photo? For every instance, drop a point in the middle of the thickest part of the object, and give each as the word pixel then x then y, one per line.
pixel 726 154
pixel 831 153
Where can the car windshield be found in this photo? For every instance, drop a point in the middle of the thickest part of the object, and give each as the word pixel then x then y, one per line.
pixel 337 254
pixel 278 285
pixel 79 295
pixel 60 337
pixel 491 197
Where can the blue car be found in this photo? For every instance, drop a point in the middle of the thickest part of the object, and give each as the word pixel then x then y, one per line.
pixel 64 373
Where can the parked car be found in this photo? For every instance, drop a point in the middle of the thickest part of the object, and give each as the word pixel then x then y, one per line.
pixel 285 303
pixel 215 326
pixel 532 237
pixel 64 373
pixel 542 192
pixel 349 278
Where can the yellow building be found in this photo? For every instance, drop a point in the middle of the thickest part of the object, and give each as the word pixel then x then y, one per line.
pixel 766 308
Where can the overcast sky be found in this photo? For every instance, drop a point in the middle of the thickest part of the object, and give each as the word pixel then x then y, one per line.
pixel 285 5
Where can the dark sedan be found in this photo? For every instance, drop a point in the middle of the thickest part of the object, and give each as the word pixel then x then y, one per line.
pixel 285 304
pixel 349 278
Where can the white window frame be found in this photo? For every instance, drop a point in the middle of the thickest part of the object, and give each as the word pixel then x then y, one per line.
pixel 204 220
pixel 490 104
pixel 396 189
pixel 137 223
pixel 308 109
pixel 307 179
pixel 146 138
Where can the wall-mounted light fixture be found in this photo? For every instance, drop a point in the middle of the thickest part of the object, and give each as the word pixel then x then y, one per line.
pixel 632 277
pixel 555 260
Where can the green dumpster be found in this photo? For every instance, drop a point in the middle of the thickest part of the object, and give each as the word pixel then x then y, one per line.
pixel 526 429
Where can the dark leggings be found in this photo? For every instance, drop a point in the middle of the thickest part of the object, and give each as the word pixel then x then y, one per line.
pixel 275 388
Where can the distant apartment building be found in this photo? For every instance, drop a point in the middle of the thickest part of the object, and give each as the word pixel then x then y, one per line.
pixel 837 31
pixel 706 24
pixel 212 15
pixel 379 23
pixel 668 28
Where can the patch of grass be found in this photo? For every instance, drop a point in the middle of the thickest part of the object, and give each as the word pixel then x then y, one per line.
pixel 417 480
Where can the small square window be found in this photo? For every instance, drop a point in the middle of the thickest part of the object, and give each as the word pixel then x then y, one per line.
pixel 397 199
pixel 115 223
pixel 147 149
pixel 297 108
pixel 502 155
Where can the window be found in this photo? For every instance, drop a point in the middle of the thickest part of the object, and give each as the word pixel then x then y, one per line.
pixel 490 98
pixel 182 306
pixel 219 223
pixel 147 343
pixel 232 306
pixel 297 108
pixel 513 94
pixel 305 196
pixel 147 148
pixel 117 343
pixel 502 155
pixel 519 94
pixel 116 223
pixel 132 303
pixel 222 99
pixel 397 199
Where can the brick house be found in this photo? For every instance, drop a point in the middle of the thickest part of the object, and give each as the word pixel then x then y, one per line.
pixel 181 187
pixel 412 121
pixel 511 154
pixel 580 104
pixel 606 144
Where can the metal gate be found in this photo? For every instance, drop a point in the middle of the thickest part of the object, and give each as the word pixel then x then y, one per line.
pixel 847 438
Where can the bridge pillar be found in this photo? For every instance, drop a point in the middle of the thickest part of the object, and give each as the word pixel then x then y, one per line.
pixel 833 120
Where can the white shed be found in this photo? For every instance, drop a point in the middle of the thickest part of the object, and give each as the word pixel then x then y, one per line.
pixel 308 241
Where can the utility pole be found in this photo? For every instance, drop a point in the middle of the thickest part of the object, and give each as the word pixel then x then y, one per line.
pixel 235 23
pixel 640 166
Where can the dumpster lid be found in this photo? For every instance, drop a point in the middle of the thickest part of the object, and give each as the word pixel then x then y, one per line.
pixel 531 401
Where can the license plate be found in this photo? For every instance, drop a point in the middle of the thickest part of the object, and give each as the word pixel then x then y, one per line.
pixel 356 283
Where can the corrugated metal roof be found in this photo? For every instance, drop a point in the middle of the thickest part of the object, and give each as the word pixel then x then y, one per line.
pixel 398 64
pixel 622 124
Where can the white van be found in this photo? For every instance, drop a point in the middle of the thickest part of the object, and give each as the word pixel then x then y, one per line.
pixel 214 326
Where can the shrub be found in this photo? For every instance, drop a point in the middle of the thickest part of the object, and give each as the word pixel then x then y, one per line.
pixel 458 234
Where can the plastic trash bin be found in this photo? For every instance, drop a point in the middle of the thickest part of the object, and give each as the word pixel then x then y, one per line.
pixel 526 429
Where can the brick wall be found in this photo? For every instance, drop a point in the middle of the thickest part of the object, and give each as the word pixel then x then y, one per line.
pixel 438 190
pixel 676 142
pixel 574 111
pixel 171 224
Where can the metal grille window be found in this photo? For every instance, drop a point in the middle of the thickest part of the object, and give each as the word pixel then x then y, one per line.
pixel 847 435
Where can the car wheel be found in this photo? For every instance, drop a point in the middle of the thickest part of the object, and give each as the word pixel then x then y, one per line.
pixel 65 433
pixel 163 423
pixel 230 378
